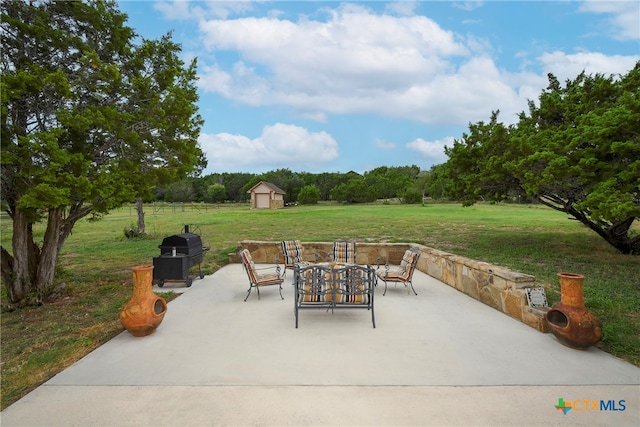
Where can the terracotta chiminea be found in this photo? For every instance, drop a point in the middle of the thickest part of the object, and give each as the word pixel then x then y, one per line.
pixel 145 310
pixel 570 321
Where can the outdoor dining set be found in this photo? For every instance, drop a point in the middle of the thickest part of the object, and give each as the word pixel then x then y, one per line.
pixel 339 282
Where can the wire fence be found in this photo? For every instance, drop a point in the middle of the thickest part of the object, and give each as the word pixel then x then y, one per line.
pixel 177 207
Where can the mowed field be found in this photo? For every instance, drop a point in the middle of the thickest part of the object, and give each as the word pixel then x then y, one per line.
pixel 94 274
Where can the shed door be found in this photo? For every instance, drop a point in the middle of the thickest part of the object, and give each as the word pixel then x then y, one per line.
pixel 262 200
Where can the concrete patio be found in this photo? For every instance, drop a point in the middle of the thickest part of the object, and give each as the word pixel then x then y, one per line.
pixel 439 358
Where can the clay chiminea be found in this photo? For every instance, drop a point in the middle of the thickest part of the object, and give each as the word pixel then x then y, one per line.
pixel 142 314
pixel 570 321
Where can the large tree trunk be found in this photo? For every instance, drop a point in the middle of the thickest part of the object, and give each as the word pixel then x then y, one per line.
pixel 616 234
pixel 140 210
pixel 31 269
pixel 619 233
pixel 18 280
pixel 19 270
pixel 49 255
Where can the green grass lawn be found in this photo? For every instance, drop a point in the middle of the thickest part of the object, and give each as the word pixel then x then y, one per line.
pixel 94 274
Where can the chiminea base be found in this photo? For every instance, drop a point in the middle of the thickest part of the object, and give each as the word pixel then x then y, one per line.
pixel 570 321
pixel 574 327
pixel 144 312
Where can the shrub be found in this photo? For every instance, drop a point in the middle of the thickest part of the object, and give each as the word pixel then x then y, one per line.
pixel 411 196
pixel 132 232
pixel 309 195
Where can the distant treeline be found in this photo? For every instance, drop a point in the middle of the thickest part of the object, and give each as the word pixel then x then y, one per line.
pixel 407 183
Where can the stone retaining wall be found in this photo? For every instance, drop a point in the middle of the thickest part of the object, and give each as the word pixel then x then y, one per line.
pixel 492 285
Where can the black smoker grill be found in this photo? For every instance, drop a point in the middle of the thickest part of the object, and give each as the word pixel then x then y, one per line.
pixel 178 253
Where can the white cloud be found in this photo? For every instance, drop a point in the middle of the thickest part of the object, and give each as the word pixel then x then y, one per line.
pixel 568 66
pixel 385 145
pixel 431 151
pixel 185 9
pixel 176 9
pixel 624 16
pixel 279 145
pixel 468 5
pixel 469 94
pixel 215 79
pixel 402 7
pixel 357 62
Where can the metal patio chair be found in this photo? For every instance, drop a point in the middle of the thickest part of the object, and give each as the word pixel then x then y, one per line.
pixel 258 280
pixel 293 254
pixel 344 252
pixel 402 273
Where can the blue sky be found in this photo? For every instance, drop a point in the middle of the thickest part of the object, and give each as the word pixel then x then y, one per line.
pixel 332 86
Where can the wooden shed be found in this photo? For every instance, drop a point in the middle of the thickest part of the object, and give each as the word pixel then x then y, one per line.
pixel 265 195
